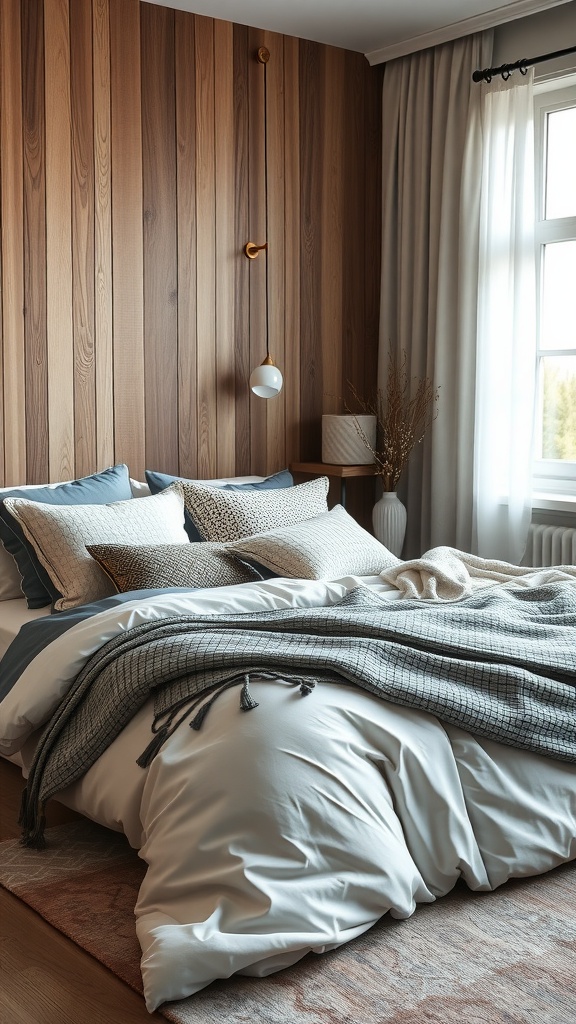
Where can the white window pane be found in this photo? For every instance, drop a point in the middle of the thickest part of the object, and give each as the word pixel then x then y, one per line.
pixel 561 164
pixel 558 404
pixel 558 321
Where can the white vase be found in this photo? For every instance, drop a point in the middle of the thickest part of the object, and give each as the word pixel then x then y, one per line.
pixel 389 522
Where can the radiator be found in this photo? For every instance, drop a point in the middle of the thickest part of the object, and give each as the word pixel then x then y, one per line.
pixel 550 545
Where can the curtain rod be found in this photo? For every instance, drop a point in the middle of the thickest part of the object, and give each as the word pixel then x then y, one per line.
pixel 520 65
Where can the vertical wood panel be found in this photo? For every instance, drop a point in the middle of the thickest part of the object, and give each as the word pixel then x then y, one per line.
pixel 83 236
pixel 276 131
pixel 226 254
pixel 355 252
pixel 160 250
pixel 242 269
pixel 292 248
pixel 34 243
pixel 311 82
pixel 257 233
pixel 13 433
pixel 59 331
pixel 205 248
pixel 127 243
pixel 334 239
pixel 103 326
pixel 186 241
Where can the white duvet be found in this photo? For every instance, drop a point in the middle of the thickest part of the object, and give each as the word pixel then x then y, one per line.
pixel 296 826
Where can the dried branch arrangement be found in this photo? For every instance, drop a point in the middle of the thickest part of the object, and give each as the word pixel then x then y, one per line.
pixel 404 410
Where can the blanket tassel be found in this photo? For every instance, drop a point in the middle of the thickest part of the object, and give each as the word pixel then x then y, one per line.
pixel 32 825
pixel 35 839
pixel 247 702
pixel 148 755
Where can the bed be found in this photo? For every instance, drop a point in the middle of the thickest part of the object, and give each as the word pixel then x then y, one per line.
pixel 309 798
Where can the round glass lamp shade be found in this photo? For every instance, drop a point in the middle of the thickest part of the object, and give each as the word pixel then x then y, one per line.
pixel 266 379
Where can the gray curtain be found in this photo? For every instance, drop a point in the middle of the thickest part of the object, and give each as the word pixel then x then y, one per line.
pixel 431 201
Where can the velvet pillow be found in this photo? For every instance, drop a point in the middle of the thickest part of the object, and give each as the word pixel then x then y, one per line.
pixel 158 481
pixel 61 533
pixel 143 567
pixel 111 485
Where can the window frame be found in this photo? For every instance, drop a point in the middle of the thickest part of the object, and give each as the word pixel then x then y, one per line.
pixel 550 476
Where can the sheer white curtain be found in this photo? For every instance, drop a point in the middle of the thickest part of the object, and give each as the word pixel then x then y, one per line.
pixel 505 373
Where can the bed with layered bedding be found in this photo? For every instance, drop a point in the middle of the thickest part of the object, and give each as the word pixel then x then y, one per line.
pixel 298 731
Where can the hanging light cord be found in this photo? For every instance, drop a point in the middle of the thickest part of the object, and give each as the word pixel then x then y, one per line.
pixel 263 57
pixel 266 379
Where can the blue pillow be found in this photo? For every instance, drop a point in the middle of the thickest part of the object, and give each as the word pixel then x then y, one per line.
pixel 159 481
pixel 111 485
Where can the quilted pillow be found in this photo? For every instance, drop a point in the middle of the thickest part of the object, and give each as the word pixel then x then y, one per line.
pixel 147 566
pixel 27 575
pixel 158 481
pixel 60 533
pixel 327 547
pixel 227 516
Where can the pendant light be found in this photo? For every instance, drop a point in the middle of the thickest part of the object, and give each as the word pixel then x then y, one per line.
pixel 266 379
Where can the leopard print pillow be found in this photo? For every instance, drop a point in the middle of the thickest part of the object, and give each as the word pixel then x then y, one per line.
pixel 226 516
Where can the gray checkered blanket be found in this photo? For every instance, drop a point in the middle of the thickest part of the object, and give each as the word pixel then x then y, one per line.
pixel 500 664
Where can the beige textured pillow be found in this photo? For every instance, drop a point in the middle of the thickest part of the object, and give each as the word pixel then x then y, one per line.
pixel 147 566
pixel 327 547
pixel 60 533
pixel 227 516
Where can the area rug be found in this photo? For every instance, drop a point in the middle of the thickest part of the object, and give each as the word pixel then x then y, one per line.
pixel 506 957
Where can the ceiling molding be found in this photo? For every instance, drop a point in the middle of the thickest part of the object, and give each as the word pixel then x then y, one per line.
pixel 478 23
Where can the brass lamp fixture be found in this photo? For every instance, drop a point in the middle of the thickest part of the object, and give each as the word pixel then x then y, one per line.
pixel 266 379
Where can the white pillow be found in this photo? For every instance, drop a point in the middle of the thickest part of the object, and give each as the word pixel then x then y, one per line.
pixel 229 515
pixel 327 547
pixel 139 488
pixel 60 533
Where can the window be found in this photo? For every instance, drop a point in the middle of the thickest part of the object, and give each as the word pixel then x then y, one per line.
pixel 555 148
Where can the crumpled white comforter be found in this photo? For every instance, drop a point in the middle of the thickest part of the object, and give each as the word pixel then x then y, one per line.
pixel 295 827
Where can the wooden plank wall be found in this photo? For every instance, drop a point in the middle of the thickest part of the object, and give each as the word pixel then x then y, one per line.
pixel 131 176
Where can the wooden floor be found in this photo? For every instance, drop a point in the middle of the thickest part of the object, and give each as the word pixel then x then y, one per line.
pixel 44 977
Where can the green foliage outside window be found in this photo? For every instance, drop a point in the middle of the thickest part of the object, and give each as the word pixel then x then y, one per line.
pixel 559 415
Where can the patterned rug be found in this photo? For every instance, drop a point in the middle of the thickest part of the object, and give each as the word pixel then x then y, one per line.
pixel 507 957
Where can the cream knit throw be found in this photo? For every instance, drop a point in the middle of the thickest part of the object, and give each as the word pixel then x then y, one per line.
pixel 445 574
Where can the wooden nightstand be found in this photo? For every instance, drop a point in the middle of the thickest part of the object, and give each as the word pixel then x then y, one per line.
pixel 329 469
